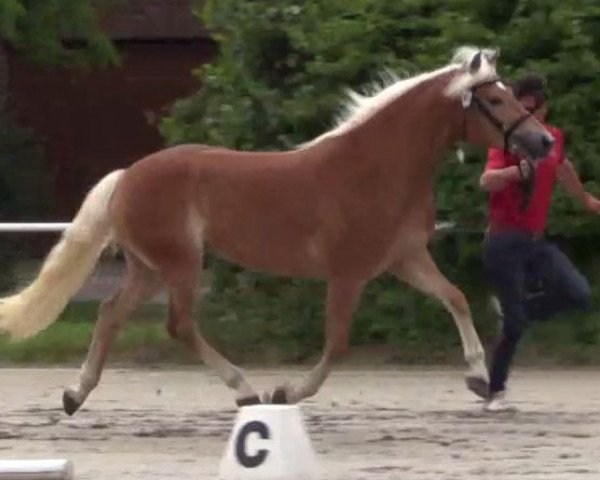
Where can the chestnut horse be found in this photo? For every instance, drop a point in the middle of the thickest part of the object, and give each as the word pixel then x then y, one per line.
pixel 345 207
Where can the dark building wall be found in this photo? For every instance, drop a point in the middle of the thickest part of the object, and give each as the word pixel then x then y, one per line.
pixel 3 76
pixel 90 124
pixel 127 19
pixel 93 123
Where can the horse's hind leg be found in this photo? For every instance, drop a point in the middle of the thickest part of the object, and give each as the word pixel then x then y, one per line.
pixel 182 279
pixel 342 297
pixel 418 269
pixel 139 284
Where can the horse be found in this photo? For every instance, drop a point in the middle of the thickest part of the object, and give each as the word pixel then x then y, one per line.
pixel 351 204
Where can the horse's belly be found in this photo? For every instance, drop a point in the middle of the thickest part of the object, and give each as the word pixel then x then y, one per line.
pixel 270 250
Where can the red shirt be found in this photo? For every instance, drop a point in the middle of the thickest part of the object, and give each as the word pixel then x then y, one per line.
pixel 505 203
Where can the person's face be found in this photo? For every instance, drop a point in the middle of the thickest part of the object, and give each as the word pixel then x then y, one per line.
pixel 529 103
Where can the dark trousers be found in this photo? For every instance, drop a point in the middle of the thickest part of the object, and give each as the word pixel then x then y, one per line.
pixel 533 280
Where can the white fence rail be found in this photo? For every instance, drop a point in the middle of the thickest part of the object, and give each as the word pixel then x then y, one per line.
pixel 103 284
pixel 59 227
pixel 33 227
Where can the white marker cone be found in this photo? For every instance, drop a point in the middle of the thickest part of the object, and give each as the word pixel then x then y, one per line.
pixel 269 442
pixel 46 469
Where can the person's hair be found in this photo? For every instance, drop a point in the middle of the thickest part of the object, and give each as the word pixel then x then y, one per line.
pixel 531 84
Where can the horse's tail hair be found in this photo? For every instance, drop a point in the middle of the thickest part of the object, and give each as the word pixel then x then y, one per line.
pixel 66 267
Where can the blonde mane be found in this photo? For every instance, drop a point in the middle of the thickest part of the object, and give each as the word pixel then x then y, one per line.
pixel 358 107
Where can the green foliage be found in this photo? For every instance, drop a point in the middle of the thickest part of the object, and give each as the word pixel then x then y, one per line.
pixel 283 66
pixel 281 73
pixel 38 28
pixel 245 327
pixel 25 189
pixel 25 185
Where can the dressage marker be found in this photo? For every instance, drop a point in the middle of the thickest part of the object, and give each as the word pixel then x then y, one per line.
pixel 269 442
pixel 44 469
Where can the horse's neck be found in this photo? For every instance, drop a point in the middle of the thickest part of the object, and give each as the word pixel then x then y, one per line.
pixel 401 146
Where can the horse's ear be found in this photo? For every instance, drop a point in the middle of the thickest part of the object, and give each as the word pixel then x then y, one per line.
pixel 475 63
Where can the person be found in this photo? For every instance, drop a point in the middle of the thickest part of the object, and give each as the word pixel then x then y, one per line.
pixel 532 279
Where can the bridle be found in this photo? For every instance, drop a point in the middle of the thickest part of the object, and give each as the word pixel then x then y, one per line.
pixel 527 183
pixel 507 130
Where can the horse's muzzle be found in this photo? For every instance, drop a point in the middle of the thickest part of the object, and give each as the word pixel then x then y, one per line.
pixel 535 145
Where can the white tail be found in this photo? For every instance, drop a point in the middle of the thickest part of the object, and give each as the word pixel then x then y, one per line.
pixel 65 269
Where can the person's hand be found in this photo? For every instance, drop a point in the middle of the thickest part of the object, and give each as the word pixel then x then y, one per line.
pixel 592 204
pixel 526 169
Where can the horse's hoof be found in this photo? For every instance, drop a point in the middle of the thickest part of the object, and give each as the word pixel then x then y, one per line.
pixel 279 396
pixel 247 401
pixel 70 404
pixel 478 385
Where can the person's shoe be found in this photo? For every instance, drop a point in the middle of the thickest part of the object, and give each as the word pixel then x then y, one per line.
pixel 497 403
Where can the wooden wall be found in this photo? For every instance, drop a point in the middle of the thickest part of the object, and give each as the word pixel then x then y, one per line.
pixel 96 122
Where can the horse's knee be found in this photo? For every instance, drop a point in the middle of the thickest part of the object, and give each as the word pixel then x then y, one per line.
pixel 182 330
pixel 456 300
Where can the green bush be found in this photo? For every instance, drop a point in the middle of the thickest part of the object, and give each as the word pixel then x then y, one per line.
pixel 25 189
pixel 283 67
pixel 278 81
pixel 38 29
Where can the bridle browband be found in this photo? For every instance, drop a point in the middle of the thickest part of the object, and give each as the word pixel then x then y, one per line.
pixel 507 130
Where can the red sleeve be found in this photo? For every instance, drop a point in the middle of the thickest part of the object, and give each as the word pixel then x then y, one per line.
pixel 559 138
pixel 496 159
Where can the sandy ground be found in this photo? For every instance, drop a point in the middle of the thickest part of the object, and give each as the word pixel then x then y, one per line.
pixel 384 424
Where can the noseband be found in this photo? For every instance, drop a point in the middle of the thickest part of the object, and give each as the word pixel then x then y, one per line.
pixel 507 130
pixel 528 183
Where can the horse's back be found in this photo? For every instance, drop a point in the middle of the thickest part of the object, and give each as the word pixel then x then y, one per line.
pixel 258 209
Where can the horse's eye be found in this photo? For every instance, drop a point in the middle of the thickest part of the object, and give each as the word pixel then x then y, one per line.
pixel 495 101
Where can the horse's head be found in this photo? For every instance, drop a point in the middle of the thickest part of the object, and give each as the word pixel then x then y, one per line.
pixel 493 117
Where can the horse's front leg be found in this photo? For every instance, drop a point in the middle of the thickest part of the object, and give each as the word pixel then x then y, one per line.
pixel 418 269
pixel 342 298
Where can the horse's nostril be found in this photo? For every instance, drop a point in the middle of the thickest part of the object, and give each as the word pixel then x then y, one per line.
pixel 547 141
